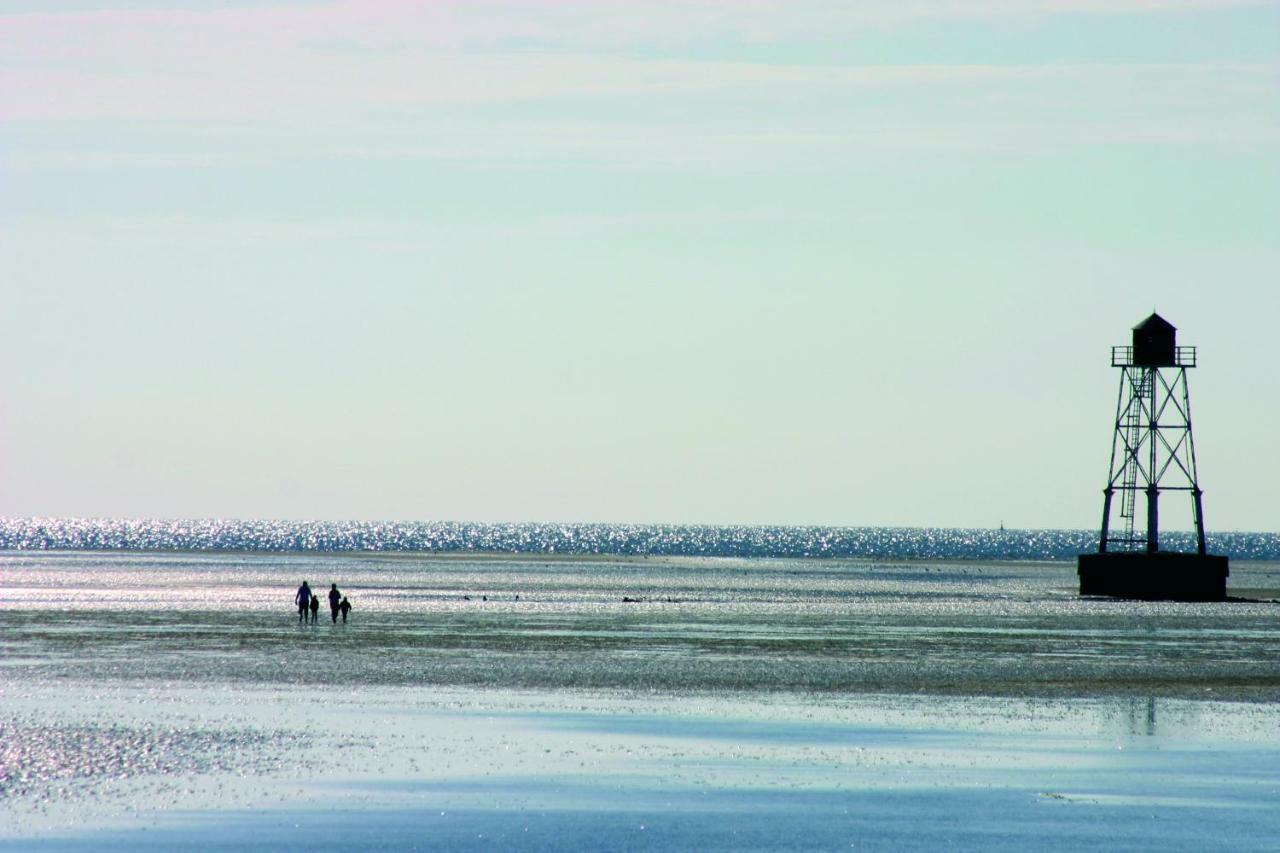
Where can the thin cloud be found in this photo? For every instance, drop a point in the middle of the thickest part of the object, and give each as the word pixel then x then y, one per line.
pixel 265 87
pixel 472 25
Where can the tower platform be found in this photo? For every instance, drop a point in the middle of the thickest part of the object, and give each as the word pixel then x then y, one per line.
pixel 1154 576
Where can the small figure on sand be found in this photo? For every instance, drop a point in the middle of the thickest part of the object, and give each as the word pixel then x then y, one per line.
pixel 315 609
pixel 303 600
pixel 335 598
pixel 345 607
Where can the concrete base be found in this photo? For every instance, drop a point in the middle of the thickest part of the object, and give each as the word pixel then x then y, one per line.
pixel 1162 576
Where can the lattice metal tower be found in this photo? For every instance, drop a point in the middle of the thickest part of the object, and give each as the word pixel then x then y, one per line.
pixel 1152 450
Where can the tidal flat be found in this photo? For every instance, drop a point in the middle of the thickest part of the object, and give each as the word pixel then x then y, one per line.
pixel 172 701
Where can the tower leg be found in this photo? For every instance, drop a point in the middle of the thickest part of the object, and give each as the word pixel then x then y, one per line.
pixel 1106 518
pixel 1200 549
pixel 1153 519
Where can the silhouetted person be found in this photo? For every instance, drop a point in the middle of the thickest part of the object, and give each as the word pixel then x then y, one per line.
pixel 334 598
pixel 315 608
pixel 303 600
pixel 345 607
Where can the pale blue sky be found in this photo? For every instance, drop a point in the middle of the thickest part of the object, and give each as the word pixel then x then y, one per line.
pixel 808 262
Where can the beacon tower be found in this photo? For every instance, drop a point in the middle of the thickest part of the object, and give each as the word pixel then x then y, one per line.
pixel 1153 457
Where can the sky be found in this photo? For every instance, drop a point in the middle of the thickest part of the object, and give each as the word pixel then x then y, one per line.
pixel 805 262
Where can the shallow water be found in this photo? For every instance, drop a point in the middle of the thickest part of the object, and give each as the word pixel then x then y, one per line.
pixel 261 768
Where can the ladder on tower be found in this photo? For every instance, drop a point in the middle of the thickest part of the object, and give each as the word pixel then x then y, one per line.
pixel 1140 389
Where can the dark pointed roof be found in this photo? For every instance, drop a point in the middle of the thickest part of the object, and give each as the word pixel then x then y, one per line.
pixel 1154 322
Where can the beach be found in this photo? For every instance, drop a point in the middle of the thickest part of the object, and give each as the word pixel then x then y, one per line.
pixel 172 701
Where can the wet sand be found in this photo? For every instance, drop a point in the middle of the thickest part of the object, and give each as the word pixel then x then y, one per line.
pixel 737 705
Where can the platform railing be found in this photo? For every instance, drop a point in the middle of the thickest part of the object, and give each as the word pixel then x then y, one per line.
pixel 1182 357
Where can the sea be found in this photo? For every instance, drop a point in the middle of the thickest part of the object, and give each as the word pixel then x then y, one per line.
pixel 685 540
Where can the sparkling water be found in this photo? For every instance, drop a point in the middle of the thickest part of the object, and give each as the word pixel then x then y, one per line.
pixel 616 539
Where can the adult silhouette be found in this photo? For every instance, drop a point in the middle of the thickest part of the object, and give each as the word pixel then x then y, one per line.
pixel 303 600
pixel 335 599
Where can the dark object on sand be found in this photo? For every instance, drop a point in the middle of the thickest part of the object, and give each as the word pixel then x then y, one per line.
pixel 303 598
pixel 1152 451
pixel 334 598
